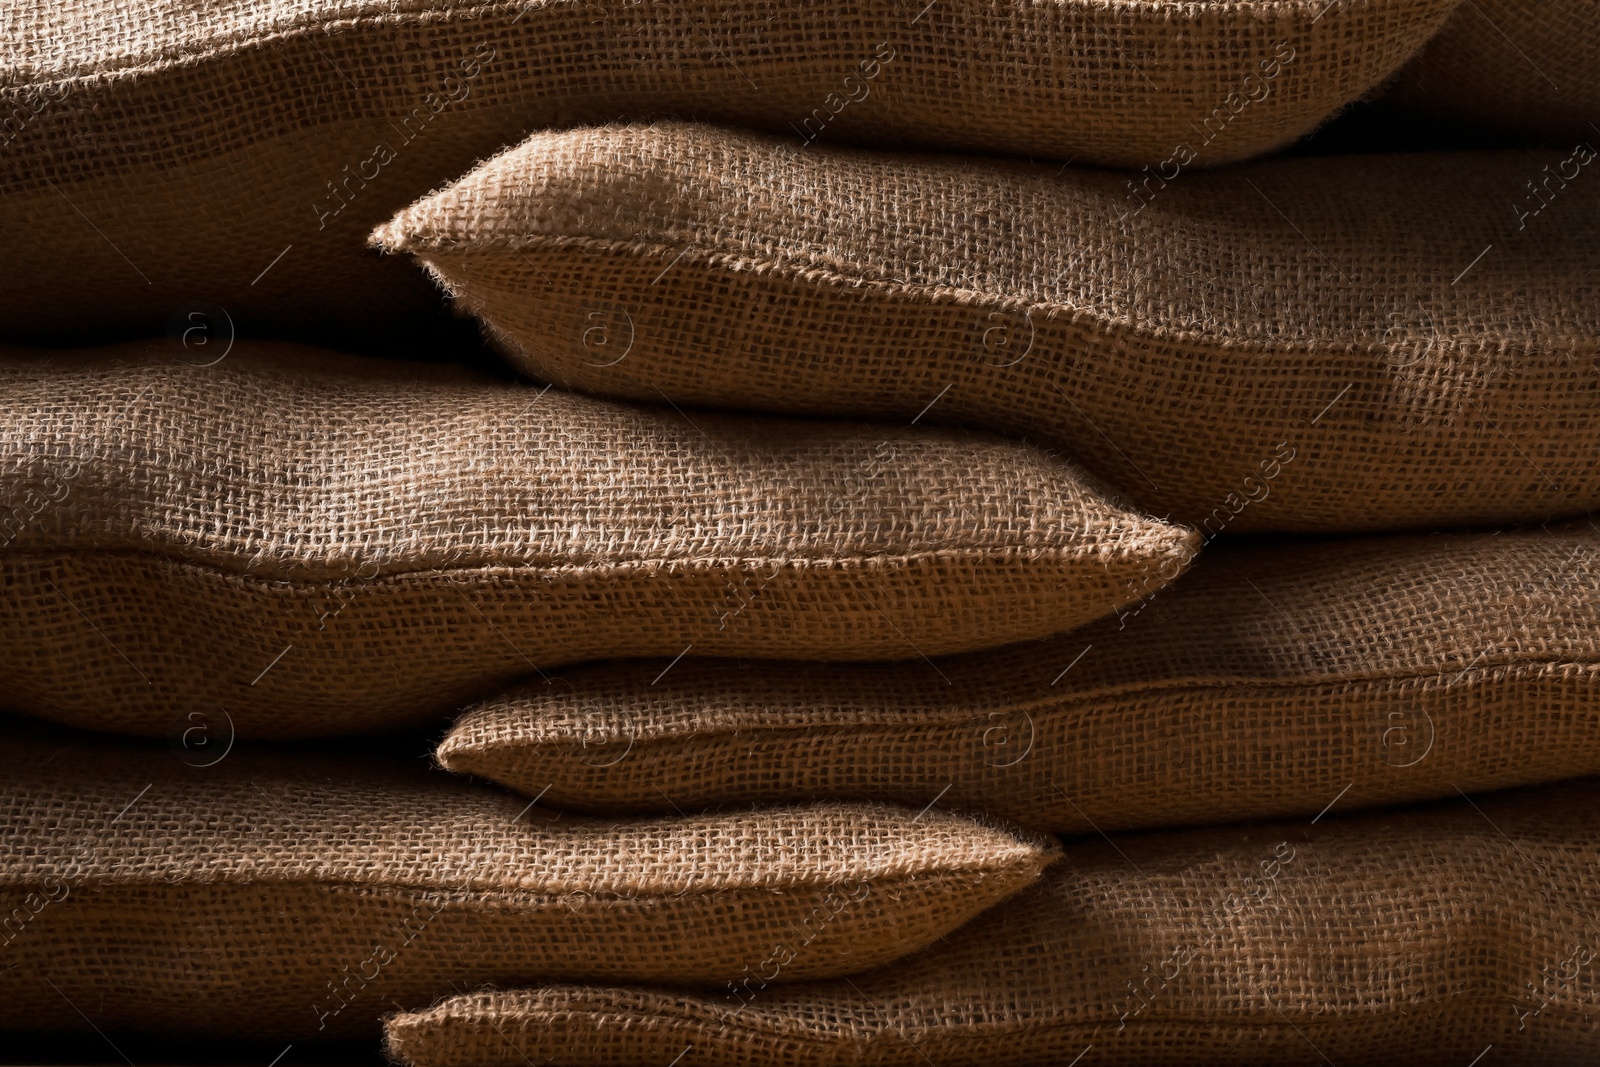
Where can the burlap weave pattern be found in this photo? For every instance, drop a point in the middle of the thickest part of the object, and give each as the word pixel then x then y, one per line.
pixel 1420 938
pixel 156 155
pixel 1530 65
pixel 1316 344
pixel 322 544
pixel 164 897
pixel 1269 679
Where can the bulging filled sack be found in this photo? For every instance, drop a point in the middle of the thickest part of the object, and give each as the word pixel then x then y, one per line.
pixel 1269 680
pixel 150 160
pixel 316 544
pixel 1424 937
pixel 1523 65
pixel 299 896
pixel 1317 344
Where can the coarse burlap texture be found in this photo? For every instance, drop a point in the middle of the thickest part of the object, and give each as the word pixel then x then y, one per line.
pixel 1525 65
pixel 317 544
pixel 1312 344
pixel 289 895
pixel 1416 938
pixel 1269 679
pixel 153 158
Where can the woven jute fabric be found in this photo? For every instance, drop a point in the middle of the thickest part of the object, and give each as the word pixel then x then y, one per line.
pixel 311 543
pixel 294 895
pixel 152 158
pixel 1528 65
pixel 1314 344
pixel 1265 682
pixel 1418 938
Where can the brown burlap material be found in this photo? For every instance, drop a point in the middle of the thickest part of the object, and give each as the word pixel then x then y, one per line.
pixel 1269 679
pixel 1530 65
pixel 1316 344
pixel 151 158
pixel 291 896
pixel 1417 938
pixel 317 544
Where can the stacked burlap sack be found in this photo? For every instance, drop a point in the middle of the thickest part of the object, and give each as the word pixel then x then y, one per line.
pixel 979 557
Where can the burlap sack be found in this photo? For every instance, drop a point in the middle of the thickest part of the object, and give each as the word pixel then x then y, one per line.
pixel 1318 344
pixel 1528 65
pixel 1420 938
pixel 289 895
pixel 152 158
pixel 316 544
pixel 1268 680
